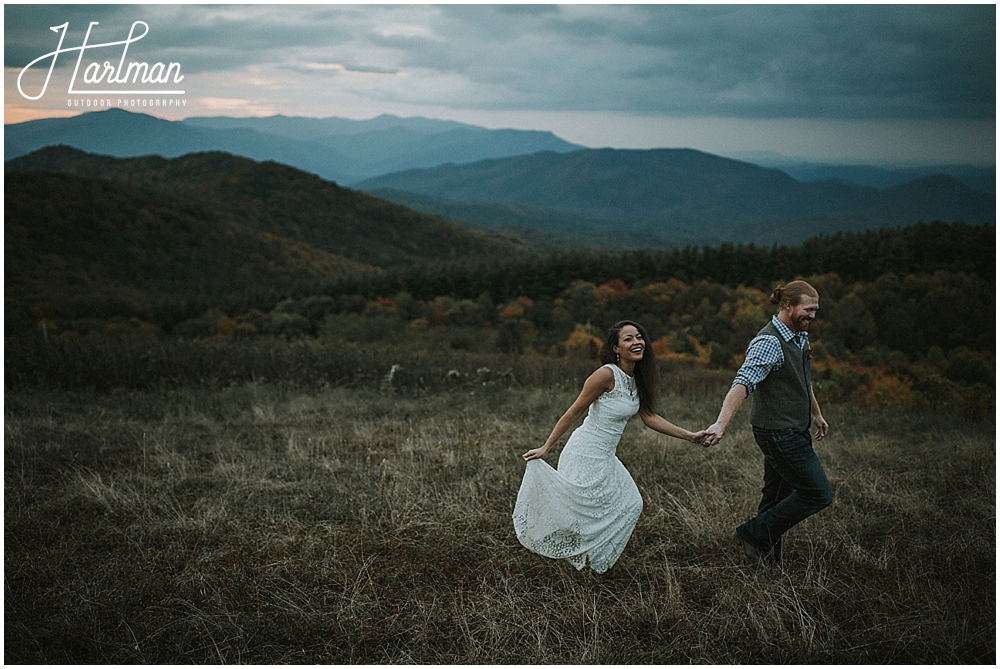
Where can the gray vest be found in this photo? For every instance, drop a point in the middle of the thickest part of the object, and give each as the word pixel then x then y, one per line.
pixel 784 399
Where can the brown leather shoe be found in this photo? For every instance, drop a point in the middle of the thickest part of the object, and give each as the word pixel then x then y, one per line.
pixel 749 550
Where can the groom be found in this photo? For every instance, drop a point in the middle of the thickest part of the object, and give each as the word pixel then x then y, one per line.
pixel 776 372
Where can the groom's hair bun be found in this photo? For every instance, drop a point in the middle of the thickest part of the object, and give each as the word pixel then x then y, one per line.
pixel 793 293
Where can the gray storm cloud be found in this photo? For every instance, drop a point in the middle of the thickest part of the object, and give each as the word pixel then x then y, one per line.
pixel 758 61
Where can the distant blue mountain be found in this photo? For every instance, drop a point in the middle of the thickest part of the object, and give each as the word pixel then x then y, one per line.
pixel 978 178
pixel 123 134
pixel 389 143
pixel 675 195
pixel 337 149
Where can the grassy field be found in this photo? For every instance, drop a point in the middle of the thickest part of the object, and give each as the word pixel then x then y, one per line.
pixel 269 523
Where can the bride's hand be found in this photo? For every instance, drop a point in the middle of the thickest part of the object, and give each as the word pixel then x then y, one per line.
pixel 535 453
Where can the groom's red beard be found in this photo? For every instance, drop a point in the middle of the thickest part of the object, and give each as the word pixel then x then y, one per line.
pixel 802 324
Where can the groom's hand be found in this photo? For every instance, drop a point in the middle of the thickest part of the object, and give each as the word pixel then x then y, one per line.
pixel 713 435
pixel 822 427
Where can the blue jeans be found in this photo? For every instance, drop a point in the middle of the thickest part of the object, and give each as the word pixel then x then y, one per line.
pixel 795 487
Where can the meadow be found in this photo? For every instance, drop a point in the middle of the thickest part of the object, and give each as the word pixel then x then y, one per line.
pixel 249 521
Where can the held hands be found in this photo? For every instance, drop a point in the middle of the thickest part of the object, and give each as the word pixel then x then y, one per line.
pixel 715 432
pixel 697 437
pixel 713 435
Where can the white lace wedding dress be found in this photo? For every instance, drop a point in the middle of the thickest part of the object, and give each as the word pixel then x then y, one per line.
pixel 585 510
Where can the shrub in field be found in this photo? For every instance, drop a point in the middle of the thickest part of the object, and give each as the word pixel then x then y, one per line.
pixel 966 366
pixel 886 391
pixel 582 344
pixel 288 325
pixel 199 328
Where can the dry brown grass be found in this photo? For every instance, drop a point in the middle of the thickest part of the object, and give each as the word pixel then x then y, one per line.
pixel 267 524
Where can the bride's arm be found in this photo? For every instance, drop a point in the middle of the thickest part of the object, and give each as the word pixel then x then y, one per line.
pixel 663 426
pixel 598 383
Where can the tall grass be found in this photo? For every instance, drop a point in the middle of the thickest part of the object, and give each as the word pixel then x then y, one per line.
pixel 269 523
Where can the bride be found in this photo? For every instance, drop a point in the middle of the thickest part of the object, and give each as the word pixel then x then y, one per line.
pixel 585 510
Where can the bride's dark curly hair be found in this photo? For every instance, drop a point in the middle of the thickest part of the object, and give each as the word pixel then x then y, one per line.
pixel 645 371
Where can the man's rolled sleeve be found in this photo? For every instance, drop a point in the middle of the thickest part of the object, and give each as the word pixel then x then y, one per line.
pixel 763 357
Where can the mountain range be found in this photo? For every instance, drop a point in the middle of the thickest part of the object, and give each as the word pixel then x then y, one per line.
pixel 535 186
pixel 673 197
pixel 337 149
pixel 348 151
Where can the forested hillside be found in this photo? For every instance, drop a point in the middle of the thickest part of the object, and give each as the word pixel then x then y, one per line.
pixel 93 237
pixel 282 201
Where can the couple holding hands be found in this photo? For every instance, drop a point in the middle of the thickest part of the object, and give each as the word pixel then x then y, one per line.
pixel 585 510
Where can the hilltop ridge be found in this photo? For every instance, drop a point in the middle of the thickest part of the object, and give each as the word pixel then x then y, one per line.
pixel 207 227
pixel 680 196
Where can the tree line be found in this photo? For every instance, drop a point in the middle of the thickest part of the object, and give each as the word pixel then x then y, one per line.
pixel 919 249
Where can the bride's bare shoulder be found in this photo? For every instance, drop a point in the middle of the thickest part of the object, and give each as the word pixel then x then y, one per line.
pixel 602 378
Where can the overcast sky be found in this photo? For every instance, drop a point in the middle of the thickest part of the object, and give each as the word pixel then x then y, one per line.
pixel 837 83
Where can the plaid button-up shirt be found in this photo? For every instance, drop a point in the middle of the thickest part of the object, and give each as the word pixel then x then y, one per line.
pixel 764 355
